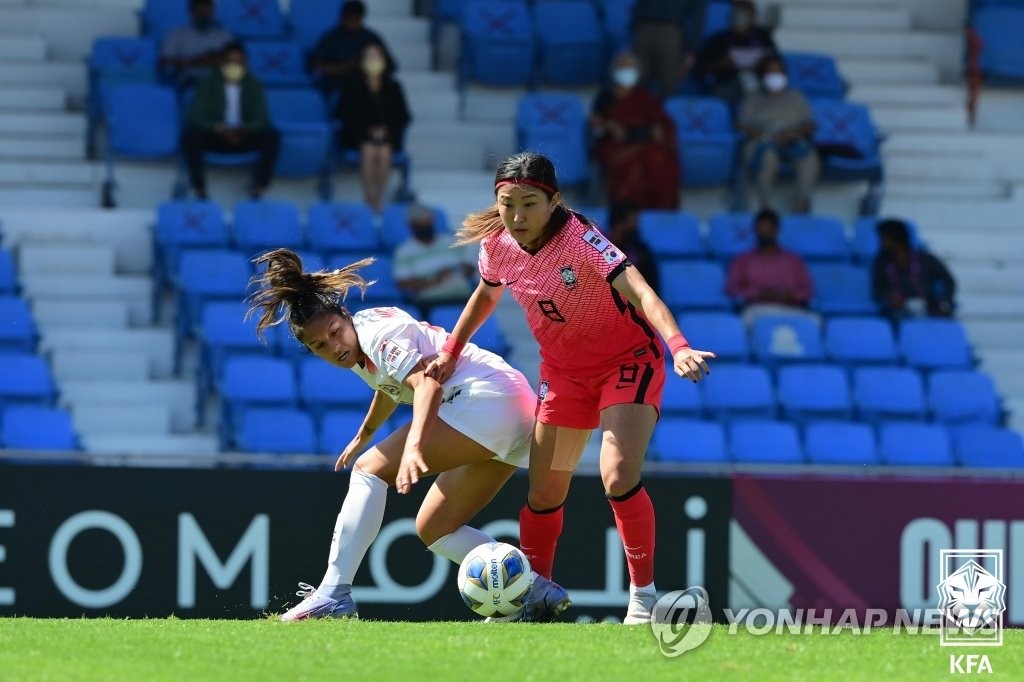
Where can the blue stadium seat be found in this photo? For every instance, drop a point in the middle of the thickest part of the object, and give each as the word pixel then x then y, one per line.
pixel 816 391
pixel 342 227
pixel 842 289
pixel 253 18
pixel 889 393
pixel 182 225
pixel 814 237
pixel 681 397
pixel 208 275
pixel 689 440
pixel 840 442
pixel 323 387
pixel 8 276
pixel 865 237
pixel 26 380
pixel 264 224
pixel 394 228
pixel 574 57
pixel 722 333
pixel 717 18
pixel 278 63
pixel 300 115
pixel 29 427
pixel 851 147
pixel 909 444
pixel 707 140
pixel 159 17
pixel 696 285
pixel 860 341
pixel 113 61
pixel 989 446
pixel 597 215
pixel 617 15
pixel 279 431
pixel 935 344
pixel 310 19
pixel 671 234
pixel 17 329
pixel 224 332
pixel 786 338
pixel 963 397
pixel 498 43
pixel 339 427
pixel 488 336
pixel 1002 54
pixel 739 392
pixel 765 442
pixel 249 383
pixel 383 290
pixel 556 126
pixel 730 234
pixel 815 75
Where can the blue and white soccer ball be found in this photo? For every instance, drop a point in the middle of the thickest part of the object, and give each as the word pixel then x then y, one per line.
pixel 494 579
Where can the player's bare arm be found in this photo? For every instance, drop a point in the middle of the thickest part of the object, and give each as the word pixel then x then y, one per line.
pixel 425 403
pixel 381 407
pixel 478 308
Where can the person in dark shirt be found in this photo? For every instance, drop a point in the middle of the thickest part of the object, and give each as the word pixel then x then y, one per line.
pixel 373 115
pixel 623 226
pixel 727 64
pixel 909 282
pixel 336 56
pixel 665 35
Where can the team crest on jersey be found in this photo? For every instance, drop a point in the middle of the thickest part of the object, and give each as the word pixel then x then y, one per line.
pixel 543 392
pixel 569 277
pixel 390 389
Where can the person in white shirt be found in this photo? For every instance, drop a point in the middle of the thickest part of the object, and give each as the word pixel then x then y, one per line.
pixel 453 432
pixel 427 267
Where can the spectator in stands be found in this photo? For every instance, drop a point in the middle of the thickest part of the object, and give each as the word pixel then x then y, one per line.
pixel 427 268
pixel 779 126
pixel 228 115
pixel 193 52
pixel 727 64
pixel 623 223
pixel 769 280
pixel 337 55
pixel 665 36
pixel 909 282
pixel 373 115
pixel 635 140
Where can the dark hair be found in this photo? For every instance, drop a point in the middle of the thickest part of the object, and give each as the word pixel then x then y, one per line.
pixel 283 291
pixel 233 46
pixel 896 230
pixel 619 211
pixel 767 214
pixel 353 8
pixel 192 4
pixel 767 61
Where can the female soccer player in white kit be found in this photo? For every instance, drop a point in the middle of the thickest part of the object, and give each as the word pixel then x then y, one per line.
pixel 454 431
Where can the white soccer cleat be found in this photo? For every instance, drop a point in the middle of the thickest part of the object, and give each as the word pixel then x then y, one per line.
pixel 315 605
pixel 641 604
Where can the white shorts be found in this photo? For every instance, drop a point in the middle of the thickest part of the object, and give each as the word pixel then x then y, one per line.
pixel 496 411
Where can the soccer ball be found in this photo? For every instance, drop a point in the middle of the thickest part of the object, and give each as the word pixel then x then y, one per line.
pixel 494 579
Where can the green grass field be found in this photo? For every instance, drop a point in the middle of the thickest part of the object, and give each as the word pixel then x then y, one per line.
pixel 195 650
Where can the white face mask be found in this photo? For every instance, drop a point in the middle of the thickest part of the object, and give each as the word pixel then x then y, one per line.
pixel 233 72
pixel 626 76
pixel 775 82
pixel 374 66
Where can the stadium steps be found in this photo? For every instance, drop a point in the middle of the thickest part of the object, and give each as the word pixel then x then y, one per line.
pixel 872 70
pixel 76 364
pixel 861 16
pixel 943 48
pixel 57 314
pixel 135 290
pixel 22 48
pixel 178 448
pixel 173 395
pixel 157 344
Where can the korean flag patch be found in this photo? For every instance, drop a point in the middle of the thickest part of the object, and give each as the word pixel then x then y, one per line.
pixel 612 255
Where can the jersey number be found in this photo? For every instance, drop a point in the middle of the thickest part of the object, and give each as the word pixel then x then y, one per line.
pixel 550 311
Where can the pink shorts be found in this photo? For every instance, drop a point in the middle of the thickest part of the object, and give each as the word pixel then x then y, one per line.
pixel 576 402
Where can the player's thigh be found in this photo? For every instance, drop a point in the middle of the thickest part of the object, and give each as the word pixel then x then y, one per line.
pixel 458 495
pixel 626 432
pixel 444 449
pixel 554 455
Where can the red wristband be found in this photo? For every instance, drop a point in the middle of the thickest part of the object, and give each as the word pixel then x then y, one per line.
pixel 453 347
pixel 677 342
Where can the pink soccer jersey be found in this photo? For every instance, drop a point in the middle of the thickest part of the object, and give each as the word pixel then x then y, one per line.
pixel 580 321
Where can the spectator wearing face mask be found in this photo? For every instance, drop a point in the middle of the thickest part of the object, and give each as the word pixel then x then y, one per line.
pixel 337 55
pixel 635 141
pixel 374 116
pixel 229 115
pixel 193 52
pixel 909 282
pixel 779 127
pixel 427 268
pixel 727 64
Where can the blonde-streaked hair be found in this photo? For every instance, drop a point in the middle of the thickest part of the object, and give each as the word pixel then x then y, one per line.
pixel 283 291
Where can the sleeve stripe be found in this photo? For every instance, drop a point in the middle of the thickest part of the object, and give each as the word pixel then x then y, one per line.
pixel 616 271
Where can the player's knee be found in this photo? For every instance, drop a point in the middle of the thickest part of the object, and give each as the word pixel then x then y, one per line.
pixel 618 483
pixel 432 527
pixel 546 495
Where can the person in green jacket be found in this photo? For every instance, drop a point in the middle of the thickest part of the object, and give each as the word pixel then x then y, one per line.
pixel 228 115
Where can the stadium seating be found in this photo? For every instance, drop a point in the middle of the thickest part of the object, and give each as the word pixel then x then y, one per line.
pixel 616 18
pixel 26 380
pixel 739 392
pixel 730 234
pixel 723 332
pixel 394 228
pixel 999 30
pixel 8 276
pixel 814 237
pixel 704 285
pixel 765 442
pixel 840 442
pixel 786 338
pixel 279 431
pixel 310 19
pixel 815 75
pixel 717 17
pixel 989 446
pixel 707 140
pixel 206 276
pixel 190 225
pixel 680 397
pixel 888 393
pixel 860 341
pixel 689 440
pixel 842 289
pixel 570 57
pixel 252 18
pixel 935 344
pixel 816 391
pixel 264 224
pixel 17 328
pixel 323 388
pixel 865 237
pixel 851 147
pixel 339 427
pixel 300 115
pixel 555 125
pixel 488 336
pixel 29 427
pixel 383 291
pixel 498 44
pixel 224 333
pixel 671 234
pixel 158 17
pixel 251 383
pixel 114 61
pixel 903 444
pixel 342 227
pixel 278 63
pixel 963 397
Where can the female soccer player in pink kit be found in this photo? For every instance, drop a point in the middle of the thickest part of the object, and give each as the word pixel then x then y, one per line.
pixel 602 364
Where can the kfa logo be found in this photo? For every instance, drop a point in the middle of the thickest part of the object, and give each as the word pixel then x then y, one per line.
pixel 569 278
pixel 972 599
